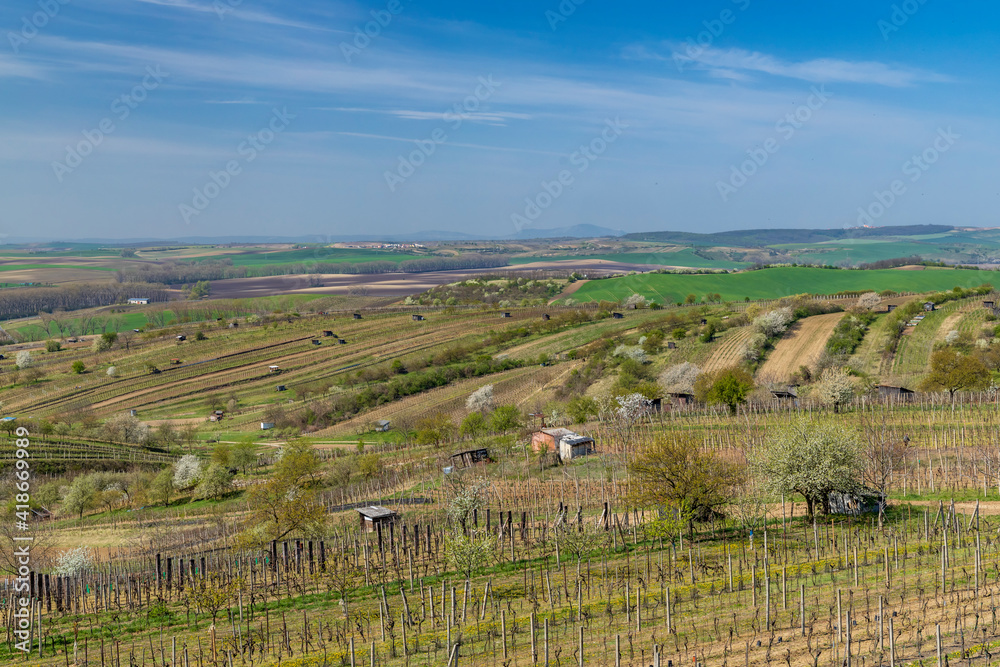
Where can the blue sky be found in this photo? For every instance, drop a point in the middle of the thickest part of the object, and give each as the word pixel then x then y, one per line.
pixel 231 117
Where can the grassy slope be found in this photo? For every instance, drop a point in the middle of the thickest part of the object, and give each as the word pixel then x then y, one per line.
pixel 776 283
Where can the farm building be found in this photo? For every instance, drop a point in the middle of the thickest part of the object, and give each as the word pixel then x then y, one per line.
pixel 133 413
pixel 617 316
pixel 989 304
pixel 273 369
pixel 547 439
pixel 575 446
pixel 266 426
pixel 418 318
pixel 671 345
pixel 315 341
pixel 375 516
pixel 545 317
pixel 357 316
pixel 505 315
pixel 328 334
pixel 341 341
pixel 681 398
pixel 901 393
pixel 929 306
pixel 863 501
pixel 138 301
pixel 787 393
pixel 469 458
pixel 175 362
pixel 383 425
pixel 181 339
pixel 234 325
pixel 281 387
pixel 891 307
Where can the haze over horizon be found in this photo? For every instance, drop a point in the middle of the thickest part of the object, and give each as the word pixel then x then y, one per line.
pixel 180 118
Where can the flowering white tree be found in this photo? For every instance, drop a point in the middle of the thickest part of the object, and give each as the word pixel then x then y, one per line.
pixel 835 387
pixel 481 399
pixel 74 562
pixel 633 407
pixel 112 371
pixel 23 360
pixel 869 301
pixel 952 337
pixel 680 378
pixel 187 472
pixel 773 323
pixel 633 352
pixel 637 300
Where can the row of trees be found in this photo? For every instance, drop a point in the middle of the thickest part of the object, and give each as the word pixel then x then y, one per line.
pixel 29 302
pixel 177 272
pixel 812 458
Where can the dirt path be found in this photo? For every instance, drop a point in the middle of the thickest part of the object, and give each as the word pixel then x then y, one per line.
pixel 569 291
pixel 949 323
pixel 801 346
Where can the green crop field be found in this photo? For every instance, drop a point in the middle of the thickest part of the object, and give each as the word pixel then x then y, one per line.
pixel 685 257
pixel 778 282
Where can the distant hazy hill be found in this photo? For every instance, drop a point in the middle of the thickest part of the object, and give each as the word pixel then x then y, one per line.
pixel 764 237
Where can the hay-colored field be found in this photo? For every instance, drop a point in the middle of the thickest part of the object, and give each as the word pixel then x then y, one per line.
pixel 801 346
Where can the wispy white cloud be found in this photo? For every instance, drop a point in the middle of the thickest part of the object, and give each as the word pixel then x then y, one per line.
pixel 225 10
pixel 737 63
pixel 13 68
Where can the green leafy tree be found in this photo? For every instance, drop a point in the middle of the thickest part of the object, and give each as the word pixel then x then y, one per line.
pixel 161 489
pixel 202 288
pixel 473 426
pixel 81 496
pixel 953 371
pixel 78 367
pixel 505 418
pixel 581 409
pixel 52 346
pixel 679 473
pixel 244 454
pixel 813 458
pixel 729 387
pixel 470 553
pixel 215 482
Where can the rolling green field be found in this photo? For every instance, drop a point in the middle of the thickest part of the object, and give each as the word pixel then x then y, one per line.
pixel 686 257
pixel 861 251
pixel 778 282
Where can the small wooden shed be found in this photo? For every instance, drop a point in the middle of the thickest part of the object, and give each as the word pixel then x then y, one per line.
pixel 617 316
pixel 418 318
pixel 356 316
pixel 374 516
pixel 469 458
